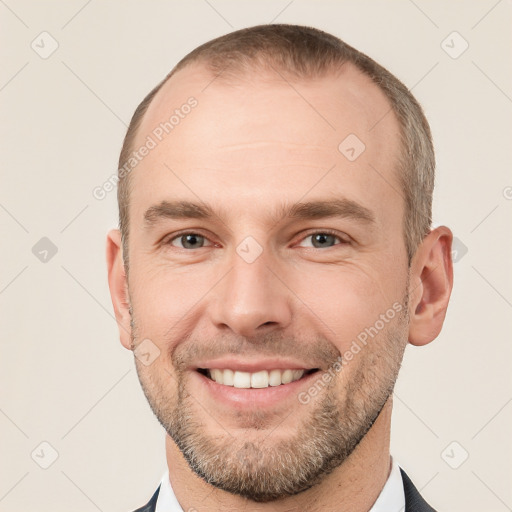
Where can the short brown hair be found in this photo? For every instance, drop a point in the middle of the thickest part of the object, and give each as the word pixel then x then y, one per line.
pixel 308 53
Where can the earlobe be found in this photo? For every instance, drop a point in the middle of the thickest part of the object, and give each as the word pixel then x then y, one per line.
pixel 430 286
pixel 118 286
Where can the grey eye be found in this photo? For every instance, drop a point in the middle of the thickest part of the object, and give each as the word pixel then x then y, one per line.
pixel 190 241
pixel 321 240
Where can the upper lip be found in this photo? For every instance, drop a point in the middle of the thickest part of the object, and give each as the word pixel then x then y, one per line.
pixel 251 366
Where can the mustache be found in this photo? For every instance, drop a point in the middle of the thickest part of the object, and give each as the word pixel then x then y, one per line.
pixel 317 352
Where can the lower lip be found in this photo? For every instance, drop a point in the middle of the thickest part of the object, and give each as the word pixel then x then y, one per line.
pixel 250 397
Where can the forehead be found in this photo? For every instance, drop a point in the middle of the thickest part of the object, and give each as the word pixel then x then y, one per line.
pixel 332 103
pixel 263 135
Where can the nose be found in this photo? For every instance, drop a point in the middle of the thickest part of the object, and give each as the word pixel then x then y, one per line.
pixel 252 299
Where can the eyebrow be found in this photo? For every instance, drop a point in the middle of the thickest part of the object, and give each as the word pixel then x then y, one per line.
pixel 342 207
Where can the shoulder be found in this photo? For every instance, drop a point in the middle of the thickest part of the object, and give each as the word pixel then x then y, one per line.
pixel 150 506
pixel 414 502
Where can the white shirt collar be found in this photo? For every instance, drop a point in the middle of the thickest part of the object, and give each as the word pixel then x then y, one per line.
pixel 391 498
pixel 167 501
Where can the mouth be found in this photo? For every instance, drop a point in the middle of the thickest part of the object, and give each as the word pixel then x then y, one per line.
pixel 255 380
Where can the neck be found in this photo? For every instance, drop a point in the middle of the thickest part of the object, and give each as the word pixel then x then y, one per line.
pixel 354 485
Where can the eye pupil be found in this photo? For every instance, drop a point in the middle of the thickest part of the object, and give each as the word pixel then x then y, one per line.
pixel 190 241
pixel 322 238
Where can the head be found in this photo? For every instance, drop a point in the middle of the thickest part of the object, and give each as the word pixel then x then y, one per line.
pixel 282 221
pixel 304 53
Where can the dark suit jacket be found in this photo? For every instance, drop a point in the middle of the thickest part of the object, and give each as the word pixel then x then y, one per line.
pixel 413 500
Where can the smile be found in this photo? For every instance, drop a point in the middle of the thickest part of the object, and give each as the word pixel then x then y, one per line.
pixel 257 380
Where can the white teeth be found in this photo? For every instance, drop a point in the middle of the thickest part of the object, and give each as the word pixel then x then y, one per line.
pixel 227 376
pixel 261 379
pixel 274 377
pixel 286 377
pixel 218 376
pixel 297 374
pixel 241 380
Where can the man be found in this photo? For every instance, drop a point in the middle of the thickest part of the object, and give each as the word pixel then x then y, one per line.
pixel 274 258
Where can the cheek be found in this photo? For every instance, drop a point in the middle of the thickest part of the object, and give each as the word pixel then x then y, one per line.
pixel 164 299
pixel 339 300
pixel 344 301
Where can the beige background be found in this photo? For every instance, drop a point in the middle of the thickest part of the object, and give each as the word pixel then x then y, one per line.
pixel 65 378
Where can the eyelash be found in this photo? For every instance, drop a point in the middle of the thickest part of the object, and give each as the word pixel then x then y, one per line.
pixel 311 233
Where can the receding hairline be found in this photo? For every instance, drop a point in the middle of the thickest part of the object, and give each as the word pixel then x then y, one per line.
pixel 263 73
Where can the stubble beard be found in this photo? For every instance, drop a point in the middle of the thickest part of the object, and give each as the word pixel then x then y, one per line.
pixel 261 462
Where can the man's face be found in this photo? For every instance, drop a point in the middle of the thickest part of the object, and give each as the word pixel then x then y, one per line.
pixel 251 290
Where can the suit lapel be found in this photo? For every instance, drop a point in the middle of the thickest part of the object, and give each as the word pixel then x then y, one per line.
pixel 151 504
pixel 414 502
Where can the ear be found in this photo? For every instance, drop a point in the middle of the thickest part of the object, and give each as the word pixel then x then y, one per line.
pixel 430 286
pixel 118 285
